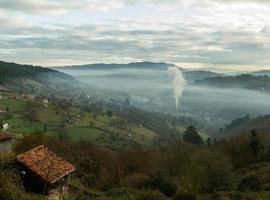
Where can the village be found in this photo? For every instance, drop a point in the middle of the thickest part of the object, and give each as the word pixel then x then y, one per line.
pixel 42 171
pixel 54 149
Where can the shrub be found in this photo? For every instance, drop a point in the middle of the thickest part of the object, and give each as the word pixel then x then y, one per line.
pixel 236 196
pixel 250 183
pixel 209 170
pixel 151 195
pixel 165 186
pixel 185 196
pixel 121 191
pixel 89 179
pixel 137 180
pixel 11 188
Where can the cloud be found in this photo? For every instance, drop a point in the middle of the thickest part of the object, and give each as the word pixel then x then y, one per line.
pixel 33 6
pixel 207 32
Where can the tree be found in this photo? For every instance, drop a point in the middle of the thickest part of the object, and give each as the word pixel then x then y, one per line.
pixel 167 187
pixel 127 102
pixel 209 142
pixel 45 128
pixel 151 195
pixel 255 143
pixel 109 113
pixel 191 136
pixel 209 170
pixel 250 183
pixel 92 124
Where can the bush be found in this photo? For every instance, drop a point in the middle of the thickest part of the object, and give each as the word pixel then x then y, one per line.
pixel 250 183
pixel 11 188
pixel 209 171
pixel 137 180
pixel 151 195
pixel 165 186
pixel 236 196
pixel 89 179
pixel 185 196
pixel 121 191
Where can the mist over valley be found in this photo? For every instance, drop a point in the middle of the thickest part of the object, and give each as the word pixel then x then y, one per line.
pixel 212 104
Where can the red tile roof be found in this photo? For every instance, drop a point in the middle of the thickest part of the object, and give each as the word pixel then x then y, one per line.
pixel 4 135
pixel 45 163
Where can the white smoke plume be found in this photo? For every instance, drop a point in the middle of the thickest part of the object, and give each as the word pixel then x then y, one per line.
pixel 178 83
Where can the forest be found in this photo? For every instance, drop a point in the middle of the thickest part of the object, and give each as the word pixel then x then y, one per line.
pixel 190 169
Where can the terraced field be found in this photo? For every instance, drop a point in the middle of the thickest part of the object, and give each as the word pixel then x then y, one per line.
pixel 28 116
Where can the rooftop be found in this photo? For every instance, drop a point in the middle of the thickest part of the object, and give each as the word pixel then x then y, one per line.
pixel 2 88
pixel 46 164
pixel 5 135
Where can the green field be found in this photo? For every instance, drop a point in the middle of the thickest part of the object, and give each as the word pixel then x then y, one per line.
pixel 84 133
pixel 78 125
pixel 19 125
pixel 13 105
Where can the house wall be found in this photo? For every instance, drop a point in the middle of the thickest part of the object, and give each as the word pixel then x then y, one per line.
pixel 5 146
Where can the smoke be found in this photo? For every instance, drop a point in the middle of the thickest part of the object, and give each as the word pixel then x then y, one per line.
pixel 178 83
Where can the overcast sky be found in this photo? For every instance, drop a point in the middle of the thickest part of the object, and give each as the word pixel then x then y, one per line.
pixel 218 34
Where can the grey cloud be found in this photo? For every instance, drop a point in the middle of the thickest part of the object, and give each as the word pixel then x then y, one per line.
pixel 189 41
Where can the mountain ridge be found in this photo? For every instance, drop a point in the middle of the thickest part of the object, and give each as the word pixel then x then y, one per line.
pixel 33 78
pixel 139 65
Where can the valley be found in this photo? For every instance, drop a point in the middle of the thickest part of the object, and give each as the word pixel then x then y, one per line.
pixel 129 141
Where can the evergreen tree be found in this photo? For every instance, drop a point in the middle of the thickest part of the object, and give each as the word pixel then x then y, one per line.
pixel 191 136
pixel 255 143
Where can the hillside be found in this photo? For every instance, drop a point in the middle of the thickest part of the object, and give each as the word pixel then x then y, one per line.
pixel 190 75
pixel 121 152
pixel 200 75
pixel 27 114
pixel 247 81
pixel 261 124
pixel 102 66
pixel 34 79
pixel 262 72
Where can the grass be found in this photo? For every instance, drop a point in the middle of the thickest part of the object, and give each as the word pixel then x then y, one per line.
pixel 84 133
pixel 19 125
pixel 77 185
pixel 51 117
pixel 13 105
pixel 79 128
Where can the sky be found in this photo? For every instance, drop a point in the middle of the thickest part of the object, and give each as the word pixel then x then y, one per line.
pixel 212 34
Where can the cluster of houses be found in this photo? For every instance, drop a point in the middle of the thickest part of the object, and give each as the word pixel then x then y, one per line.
pixel 42 170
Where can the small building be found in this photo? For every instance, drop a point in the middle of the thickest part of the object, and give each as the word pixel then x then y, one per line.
pixel 3 89
pixel 5 142
pixel 45 172
pixel 45 102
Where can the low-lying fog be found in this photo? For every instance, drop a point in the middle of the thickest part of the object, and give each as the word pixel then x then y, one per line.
pixel 153 90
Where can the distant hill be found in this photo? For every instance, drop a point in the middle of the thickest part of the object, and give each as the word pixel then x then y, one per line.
pixel 200 75
pixel 262 73
pixel 261 124
pixel 247 81
pixel 33 78
pixel 102 66
pixel 190 75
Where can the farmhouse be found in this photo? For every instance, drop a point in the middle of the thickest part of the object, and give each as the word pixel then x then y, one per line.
pixel 3 89
pixel 45 172
pixel 5 142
